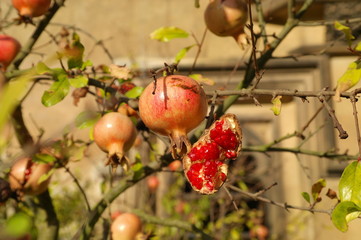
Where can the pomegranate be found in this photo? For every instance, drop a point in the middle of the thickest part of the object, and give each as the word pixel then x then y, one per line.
pixel 115 134
pixel 152 183
pixel 9 48
pixel 115 214
pixel 205 165
pixel 227 18
pixel 175 106
pixel 126 226
pixel 25 174
pixel 31 8
pixel 259 232
pixel 175 165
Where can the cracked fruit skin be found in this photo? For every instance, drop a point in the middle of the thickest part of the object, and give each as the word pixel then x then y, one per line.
pixel 25 174
pixel 115 134
pixel 9 48
pixel 126 226
pixel 206 164
pixel 31 8
pixel 227 18
pixel 175 106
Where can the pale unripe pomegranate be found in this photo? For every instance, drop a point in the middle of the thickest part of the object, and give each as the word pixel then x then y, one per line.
pixel 227 18
pixel 9 48
pixel 25 174
pixel 127 226
pixel 115 134
pixel 177 105
pixel 31 8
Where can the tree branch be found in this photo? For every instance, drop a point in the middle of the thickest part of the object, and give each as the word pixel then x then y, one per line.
pixel 286 206
pixel 171 223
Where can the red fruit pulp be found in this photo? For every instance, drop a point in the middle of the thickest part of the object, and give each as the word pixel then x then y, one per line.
pixel 205 164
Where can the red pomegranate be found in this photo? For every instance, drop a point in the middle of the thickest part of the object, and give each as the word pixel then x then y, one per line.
pixel 25 174
pixel 115 134
pixel 205 165
pixel 175 106
pixel 227 18
pixel 31 8
pixel 152 183
pixel 175 165
pixel 9 48
pixel 127 226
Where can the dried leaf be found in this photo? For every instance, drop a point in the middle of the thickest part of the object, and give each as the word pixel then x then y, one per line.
pixel 121 72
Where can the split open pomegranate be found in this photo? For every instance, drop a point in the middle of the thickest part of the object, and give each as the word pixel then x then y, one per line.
pixel 206 164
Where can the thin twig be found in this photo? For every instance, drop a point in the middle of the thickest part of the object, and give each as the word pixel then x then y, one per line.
pixel 199 45
pixel 342 133
pixel 78 185
pixel 354 108
pixel 285 206
pixel 231 198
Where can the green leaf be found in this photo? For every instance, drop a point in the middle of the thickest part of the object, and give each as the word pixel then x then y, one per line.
pixel 86 119
pixel 79 81
pixel 18 225
pixel 180 55
pixel 317 188
pixel 57 91
pixel 358 47
pixel 137 169
pixel 86 64
pixel 10 94
pixel 343 213
pixel 134 92
pixel 75 55
pixel 350 184
pixel 43 158
pixel 277 104
pixel 306 196
pixel 346 30
pixel 202 79
pixel 349 79
pixel 46 176
pixel 41 68
pixel 165 34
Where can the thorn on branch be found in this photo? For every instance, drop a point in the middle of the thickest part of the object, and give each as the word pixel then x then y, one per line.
pixel 342 133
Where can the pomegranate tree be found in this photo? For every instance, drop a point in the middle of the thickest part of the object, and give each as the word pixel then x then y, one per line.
pixel 227 18
pixel 173 107
pixel 31 8
pixel 205 165
pixel 25 174
pixel 9 48
pixel 126 226
pixel 115 134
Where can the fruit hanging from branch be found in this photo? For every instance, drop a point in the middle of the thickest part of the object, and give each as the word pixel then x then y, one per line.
pixel 25 174
pixel 126 226
pixel 205 165
pixel 227 18
pixel 173 106
pixel 31 8
pixel 115 134
pixel 9 48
